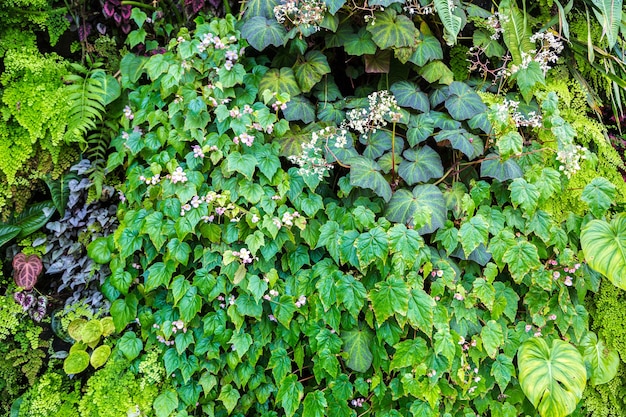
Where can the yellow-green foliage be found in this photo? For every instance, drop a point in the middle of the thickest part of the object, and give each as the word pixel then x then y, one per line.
pixel 607 400
pixel 10 311
pixel 113 391
pixel 151 369
pixel 50 397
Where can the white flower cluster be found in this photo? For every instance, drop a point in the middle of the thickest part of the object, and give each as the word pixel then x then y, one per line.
pixel 178 176
pixel 509 109
pixel 245 256
pixel 494 22
pixel 244 138
pixel 570 157
pixel 301 13
pixel 382 104
pixel 311 160
pixel 414 7
pixel 547 54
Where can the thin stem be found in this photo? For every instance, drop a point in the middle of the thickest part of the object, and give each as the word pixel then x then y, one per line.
pixel 393 152
pixel 137 4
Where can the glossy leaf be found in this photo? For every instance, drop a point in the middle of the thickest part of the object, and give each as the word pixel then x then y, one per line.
pixel 310 70
pixel 408 94
pixel 392 30
pixel 301 109
pixel 493 166
pixel 427 49
pixel 604 362
pixel 463 103
pixel 290 393
pixel 604 246
pixel 424 207
pixel 100 355
pixel 262 32
pixel 420 165
pixel 553 378
pixel 229 396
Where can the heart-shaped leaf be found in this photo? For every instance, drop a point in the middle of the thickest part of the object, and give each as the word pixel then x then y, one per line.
pixel 420 165
pixel 495 167
pixel 261 32
pixel 408 94
pixel 299 108
pixel 26 270
pixel 604 363
pixel 425 208
pixel 365 173
pixel 76 362
pixel 463 103
pixel 553 378
pixel 604 246
pixel 599 195
pixel 391 30
pixel 311 70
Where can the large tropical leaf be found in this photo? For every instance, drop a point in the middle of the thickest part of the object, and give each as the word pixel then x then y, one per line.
pixel 516 32
pixel 553 378
pixel 609 14
pixel 604 363
pixel 604 246
pixel 451 22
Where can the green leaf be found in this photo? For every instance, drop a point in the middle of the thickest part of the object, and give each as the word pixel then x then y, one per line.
pixel 492 337
pixel 408 94
pixel 260 8
pixel 334 5
pixel 502 370
pixel 290 393
pixel 420 165
pixel 424 208
pixel 179 251
pixel 609 15
pixel 159 274
pixel 99 356
pixel 190 304
pixel 229 396
pixel 407 242
pixel 365 173
pixel 604 246
pixel 485 292
pixel 243 164
pixel 76 362
pixel 524 194
pixel 124 311
pixel 371 245
pixel 357 346
pixel 100 250
pixel 391 30
pixel 310 70
pixel 461 140
pixel 444 344
pixel 420 312
pixel 409 353
pixel 604 362
pixel 261 32
pixel 60 191
pixel 314 404
pixel 427 49
pixel 165 403
pixel 493 166
pixel 473 232
pixel 516 32
pixel 281 82
pixel 521 259
pixel 130 345
pixel 351 293
pixel 109 86
pixel 510 144
pixel 463 103
pixel 553 378
pixel 359 43
pixel 437 71
pixel 301 109
pixel 527 79
pixel 451 22
pixel 33 218
pixel 8 232
pixel 599 194
pixel 132 67
pixel 390 297
pixel 284 310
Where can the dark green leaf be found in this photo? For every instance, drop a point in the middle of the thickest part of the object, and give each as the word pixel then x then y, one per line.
pixel 262 32
pixel 357 346
pixel 420 165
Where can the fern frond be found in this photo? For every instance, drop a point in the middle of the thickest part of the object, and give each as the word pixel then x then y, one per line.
pixel 86 97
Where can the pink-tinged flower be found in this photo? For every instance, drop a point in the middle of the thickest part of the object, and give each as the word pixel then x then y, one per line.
pixel 128 113
pixel 568 281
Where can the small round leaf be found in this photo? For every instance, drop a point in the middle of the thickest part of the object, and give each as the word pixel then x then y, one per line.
pixel 76 362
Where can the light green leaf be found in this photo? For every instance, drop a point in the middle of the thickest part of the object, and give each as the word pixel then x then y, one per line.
pixel 521 259
pixel 359 43
pixel 290 393
pixel 553 378
pixel 524 194
pixel 314 404
pixel 444 344
pixel 474 232
pixel 390 297
pixel 130 345
pixel 502 370
pixel 516 31
pixel 451 22
pixel 420 312
pixel 165 403
pixel 420 165
pixel 365 173
pixel 599 194
pixel 158 274
pixel 604 362
pixel 351 293
pixel 409 353
pixel 76 362
pixel 371 245
pixel 357 346
pixel 281 81
pixel 609 14
pixel 229 396
pixel 437 71
pixel 527 79
pixel 604 246
pixel 510 144
pixel 391 30
pixel 407 242
pixel 492 337
pixel 244 164
pixel 124 311
pixel 427 49
pixel 261 32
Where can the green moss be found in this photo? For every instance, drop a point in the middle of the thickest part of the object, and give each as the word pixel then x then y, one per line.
pixel 607 400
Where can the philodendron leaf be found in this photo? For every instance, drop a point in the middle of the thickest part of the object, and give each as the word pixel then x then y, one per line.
pixel 604 362
pixel 599 194
pixel 261 32
pixel 604 246
pixel 33 218
pixel 552 378
pixel 365 173
pixel 357 346
pixel 392 30
pixel 8 232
